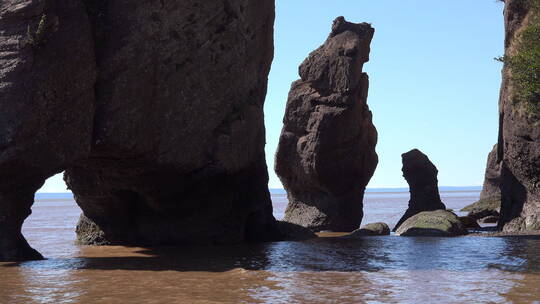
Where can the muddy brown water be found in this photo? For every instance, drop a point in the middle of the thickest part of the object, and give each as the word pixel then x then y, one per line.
pixel 327 270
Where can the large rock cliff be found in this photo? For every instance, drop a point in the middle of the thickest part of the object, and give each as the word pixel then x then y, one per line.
pixel 47 75
pixel 153 108
pixel 519 132
pixel 326 154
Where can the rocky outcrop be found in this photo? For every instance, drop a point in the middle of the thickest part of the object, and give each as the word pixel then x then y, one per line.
pixel 492 180
pixel 469 222
pixel 519 133
pixel 490 197
pixel 372 229
pixel 432 223
pixel 326 154
pixel 293 232
pixel 484 207
pixel 421 175
pixel 153 108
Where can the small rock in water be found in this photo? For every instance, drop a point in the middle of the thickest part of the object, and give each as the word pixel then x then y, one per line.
pixel 294 232
pixel 372 229
pixel 432 223
pixel 469 222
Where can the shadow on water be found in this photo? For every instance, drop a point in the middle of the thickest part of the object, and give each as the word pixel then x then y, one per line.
pixel 464 254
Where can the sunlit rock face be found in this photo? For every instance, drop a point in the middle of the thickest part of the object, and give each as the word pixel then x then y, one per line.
pixel 326 153
pixel 153 108
pixel 519 138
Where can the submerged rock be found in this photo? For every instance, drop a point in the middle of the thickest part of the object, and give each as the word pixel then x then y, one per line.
pixel 432 223
pixel 372 229
pixel 326 154
pixel 421 175
pixel 153 108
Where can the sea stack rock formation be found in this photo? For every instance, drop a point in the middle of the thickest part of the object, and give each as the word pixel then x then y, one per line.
pixel 326 154
pixel 421 175
pixel 153 108
pixel 519 130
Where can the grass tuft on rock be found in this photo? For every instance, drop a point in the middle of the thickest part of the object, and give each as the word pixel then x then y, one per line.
pixel 525 64
pixel 37 38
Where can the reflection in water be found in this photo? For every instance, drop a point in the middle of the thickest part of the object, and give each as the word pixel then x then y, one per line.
pixel 379 269
pixel 326 270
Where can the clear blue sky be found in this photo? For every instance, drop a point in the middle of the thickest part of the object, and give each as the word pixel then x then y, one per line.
pixel 433 82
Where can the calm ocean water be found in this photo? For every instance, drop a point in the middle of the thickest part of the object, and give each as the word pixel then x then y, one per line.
pixel 326 270
pixel 388 204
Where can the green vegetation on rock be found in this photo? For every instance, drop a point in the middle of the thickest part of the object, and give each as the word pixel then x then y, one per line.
pixel 489 203
pixel 38 37
pixel 525 64
pixel 432 223
pixel 486 207
pixel 372 229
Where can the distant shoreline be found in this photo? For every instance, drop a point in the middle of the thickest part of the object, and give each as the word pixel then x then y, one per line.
pixel 68 195
pixel 453 189
pixel 277 192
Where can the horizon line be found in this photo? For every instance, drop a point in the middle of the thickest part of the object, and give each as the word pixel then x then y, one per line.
pixel 367 188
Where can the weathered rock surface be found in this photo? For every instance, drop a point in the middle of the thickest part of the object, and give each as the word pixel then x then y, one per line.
pixel 326 154
pixel 490 197
pixel 469 222
pixel 421 175
pixel 372 229
pixel 484 207
pixel 47 74
pixel 519 141
pixel 492 181
pixel 432 223
pixel 153 108
pixel 292 232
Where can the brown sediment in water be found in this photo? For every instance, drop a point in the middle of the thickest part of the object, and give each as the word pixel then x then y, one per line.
pixel 525 234
pixel 329 269
pixel 331 234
